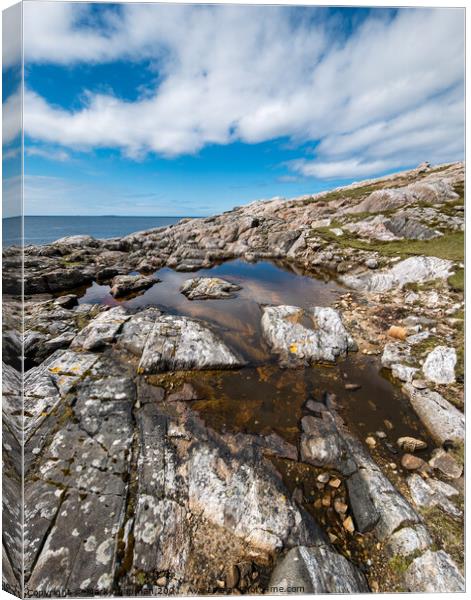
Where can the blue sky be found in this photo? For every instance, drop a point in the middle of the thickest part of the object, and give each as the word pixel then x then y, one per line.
pixel 191 110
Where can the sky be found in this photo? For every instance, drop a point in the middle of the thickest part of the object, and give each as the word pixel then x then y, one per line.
pixel 141 109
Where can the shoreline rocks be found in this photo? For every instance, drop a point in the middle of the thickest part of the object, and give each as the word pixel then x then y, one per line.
pixel 209 288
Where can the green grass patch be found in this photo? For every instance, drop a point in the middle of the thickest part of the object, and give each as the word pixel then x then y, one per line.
pixel 456 281
pixel 449 246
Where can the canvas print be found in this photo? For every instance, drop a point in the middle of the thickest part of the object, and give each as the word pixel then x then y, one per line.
pixel 233 299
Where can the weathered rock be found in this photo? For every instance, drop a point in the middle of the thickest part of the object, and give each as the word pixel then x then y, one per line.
pixel 395 353
pixel 442 419
pixel 427 494
pixel 101 330
pixel 322 445
pixel 316 571
pixel 124 285
pixel 364 511
pixel 306 335
pixel 439 365
pixel 409 540
pixel 411 444
pixel 434 572
pixel 179 343
pixel 205 288
pixel 446 464
pixel 411 270
pixel 77 241
pixel 67 301
pixel 413 463
pixel 403 372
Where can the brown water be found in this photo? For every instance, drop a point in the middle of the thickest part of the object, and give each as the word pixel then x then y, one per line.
pixel 262 397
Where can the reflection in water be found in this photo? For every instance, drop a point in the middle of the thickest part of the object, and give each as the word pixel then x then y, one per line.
pixel 263 397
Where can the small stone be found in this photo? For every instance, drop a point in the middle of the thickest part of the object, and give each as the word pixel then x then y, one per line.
pixel 411 462
pixel 332 537
pixel 419 384
pixel 220 583
pixel 348 525
pixel 381 435
pixel 374 586
pixel 318 503
pixel 398 333
pixel 339 506
pixel 371 263
pixel 411 444
pixel 161 581
pixel 388 424
pixel 326 500
pixel 351 387
pixel 335 483
pixel 393 466
pixel 370 441
pixel 323 477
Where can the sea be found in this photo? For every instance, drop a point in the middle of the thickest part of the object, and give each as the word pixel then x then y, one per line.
pixel 44 230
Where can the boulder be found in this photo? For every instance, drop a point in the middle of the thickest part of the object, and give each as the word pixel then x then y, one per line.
pixel 318 570
pixel 428 494
pixel 439 365
pixel 178 344
pixel 434 572
pixel 124 285
pixel 204 288
pixel 306 335
pixel 440 417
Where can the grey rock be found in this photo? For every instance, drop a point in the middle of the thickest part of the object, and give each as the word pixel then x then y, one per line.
pixel 408 540
pixel 403 372
pixel 316 571
pixel 306 335
pixel 395 353
pixel 204 288
pixel 101 330
pixel 439 365
pixel 434 572
pixel 179 343
pixel 446 464
pixel 440 417
pixel 364 511
pixel 124 285
pixel 426 495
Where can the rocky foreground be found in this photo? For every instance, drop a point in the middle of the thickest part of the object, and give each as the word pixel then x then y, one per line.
pixel 128 490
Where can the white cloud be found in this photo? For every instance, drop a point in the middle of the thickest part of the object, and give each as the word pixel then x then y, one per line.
pixel 391 92
pixel 49 154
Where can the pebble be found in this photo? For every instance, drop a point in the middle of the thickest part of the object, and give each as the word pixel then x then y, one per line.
pixel 419 384
pixel 381 435
pixel 351 387
pixel 340 507
pixel 388 424
pixel 326 500
pixel 348 525
pixel 335 483
pixel 323 477
pixel 370 441
pixel 161 581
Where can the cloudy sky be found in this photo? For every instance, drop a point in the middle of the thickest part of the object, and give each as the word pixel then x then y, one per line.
pixel 190 110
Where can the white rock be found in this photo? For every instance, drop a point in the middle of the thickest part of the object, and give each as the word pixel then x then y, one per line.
pixel 306 335
pixel 410 270
pixel 403 372
pixel 439 366
pixel 434 572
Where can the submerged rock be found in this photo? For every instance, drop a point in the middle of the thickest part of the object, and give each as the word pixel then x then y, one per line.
pixel 123 285
pixel 439 365
pixel 316 570
pixel 306 335
pixel 204 288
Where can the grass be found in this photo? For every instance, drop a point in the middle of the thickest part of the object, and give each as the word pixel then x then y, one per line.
pixel 456 281
pixel 447 531
pixel 449 246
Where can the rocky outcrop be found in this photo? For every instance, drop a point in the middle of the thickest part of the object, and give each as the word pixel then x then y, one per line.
pixel 411 270
pixel 316 571
pixel 208 288
pixel 305 335
pixel 434 572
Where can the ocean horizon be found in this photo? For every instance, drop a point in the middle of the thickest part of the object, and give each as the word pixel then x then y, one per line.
pixel 44 229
